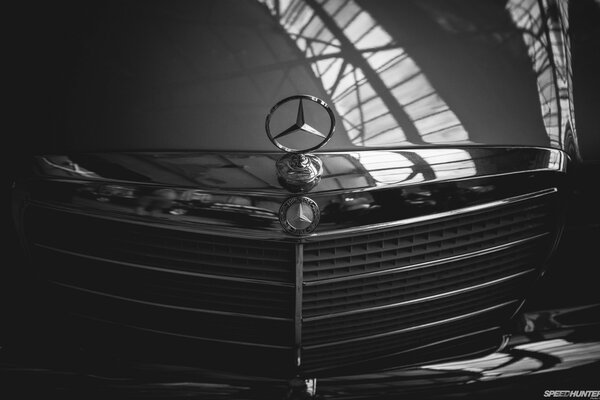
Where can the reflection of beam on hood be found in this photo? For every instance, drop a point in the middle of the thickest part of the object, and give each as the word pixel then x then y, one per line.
pixel 546 46
pixel 536 357
pixel 73 168
pixel 381 95
pixel 389 167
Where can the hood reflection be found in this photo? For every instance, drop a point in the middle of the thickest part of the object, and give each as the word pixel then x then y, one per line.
pixel 241 190
pixel 544 33
pixel 380 94
pixel 398 73
pixel 251 173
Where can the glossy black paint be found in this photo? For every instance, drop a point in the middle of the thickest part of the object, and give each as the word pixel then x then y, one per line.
pixel 225 192
pixel 203 76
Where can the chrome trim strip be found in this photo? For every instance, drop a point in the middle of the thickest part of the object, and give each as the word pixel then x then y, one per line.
pixel 558 164
pixel 495 328
pixel 425 264
pixel 411 328
pixel 178 225
pixel 299 266
pixel 159 269
pixel 423 299
pixel 180 308
pixel 278 194
pixel 230 231
pixel 268 346
pixel 408 221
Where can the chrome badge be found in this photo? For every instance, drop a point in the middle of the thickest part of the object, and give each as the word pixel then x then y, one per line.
pixel 300 126
pixel 299 215
pixel 299 171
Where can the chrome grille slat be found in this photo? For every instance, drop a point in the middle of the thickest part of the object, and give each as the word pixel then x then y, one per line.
pixel 426 264
pixel 454 292
pixel 413 284
pixel 384 254
pixel 196 251
pixel 169 289
pixel 420 229
pixel 175 321
pixel 138 253
pixel 390 255
pixel 215 340
pixel 195 310
pixel 81 234
pixel 412 328
pixel 389 345
pixel 385 320
pixel 170 271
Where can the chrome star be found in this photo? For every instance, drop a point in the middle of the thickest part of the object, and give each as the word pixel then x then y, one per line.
pixel 300 126
pixel 299 215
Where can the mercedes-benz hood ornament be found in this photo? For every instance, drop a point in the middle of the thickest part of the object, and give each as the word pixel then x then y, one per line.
pixel 299 171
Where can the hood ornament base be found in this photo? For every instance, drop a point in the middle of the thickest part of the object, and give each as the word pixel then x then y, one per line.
pixel 298 172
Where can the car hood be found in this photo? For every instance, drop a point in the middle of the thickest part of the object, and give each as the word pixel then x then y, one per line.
pixel 204 75
pixel 229 191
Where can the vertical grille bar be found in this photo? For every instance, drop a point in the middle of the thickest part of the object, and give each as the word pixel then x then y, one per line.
pixel 299 266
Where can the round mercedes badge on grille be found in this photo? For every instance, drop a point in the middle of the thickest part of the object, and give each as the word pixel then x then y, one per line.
pixel 299 215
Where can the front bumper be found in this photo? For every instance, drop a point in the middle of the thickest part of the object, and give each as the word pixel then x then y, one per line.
pixel 548 350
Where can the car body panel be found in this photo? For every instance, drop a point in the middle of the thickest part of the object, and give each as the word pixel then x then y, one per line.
pixel 202 76
pixel 220 192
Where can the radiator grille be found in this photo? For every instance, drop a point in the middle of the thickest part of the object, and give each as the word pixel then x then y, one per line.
pixel 382 292
pixel 363 296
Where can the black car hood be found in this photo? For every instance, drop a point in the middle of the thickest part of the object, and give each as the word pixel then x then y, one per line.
pixel 204 75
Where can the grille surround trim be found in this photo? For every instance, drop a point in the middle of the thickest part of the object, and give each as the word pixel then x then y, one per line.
pixel 430 217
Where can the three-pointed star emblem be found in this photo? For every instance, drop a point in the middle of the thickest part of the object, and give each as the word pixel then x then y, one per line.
pixel 301 126
pixel 300 216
